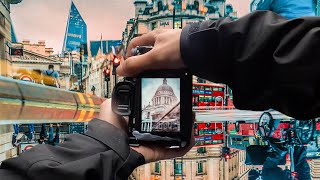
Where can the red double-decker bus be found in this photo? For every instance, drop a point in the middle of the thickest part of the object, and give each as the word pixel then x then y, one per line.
pixel 208 133
pixel 208 94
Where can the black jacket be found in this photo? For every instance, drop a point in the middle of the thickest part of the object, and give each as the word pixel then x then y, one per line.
pixel 268 61
pixel 102 153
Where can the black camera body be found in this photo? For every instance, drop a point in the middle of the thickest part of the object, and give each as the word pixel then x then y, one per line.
pixel 158 105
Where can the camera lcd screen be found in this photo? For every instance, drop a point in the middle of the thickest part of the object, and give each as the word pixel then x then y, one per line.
pixel 160 101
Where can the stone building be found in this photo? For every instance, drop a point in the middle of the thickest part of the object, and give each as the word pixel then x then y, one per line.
pixel 6 149
pixel 95 75
pixel 200 163
pixel 5 36
pixel 173 14
pixel 36 56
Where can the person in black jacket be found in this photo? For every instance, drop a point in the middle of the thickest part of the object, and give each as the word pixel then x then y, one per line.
pixel 102 153
pixel 268 61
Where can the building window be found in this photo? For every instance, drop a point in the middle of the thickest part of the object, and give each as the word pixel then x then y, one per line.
pixel 196 5
pixel 157 167
pixel 201 150
pixel 160 6
pixel 2 20
pixel 177 25
pixel 178 168
pixel 200 168
pixel 154 25
pixel 178 6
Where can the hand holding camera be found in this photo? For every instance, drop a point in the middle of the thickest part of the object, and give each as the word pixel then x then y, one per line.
pixel 164 55
pixel 157 104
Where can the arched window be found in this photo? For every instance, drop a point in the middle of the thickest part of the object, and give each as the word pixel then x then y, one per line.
pixel 160 6
pixel 196 5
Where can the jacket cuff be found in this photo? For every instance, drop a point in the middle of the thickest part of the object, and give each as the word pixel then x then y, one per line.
pixel 185 48
pixel 113 137
pixel 133 161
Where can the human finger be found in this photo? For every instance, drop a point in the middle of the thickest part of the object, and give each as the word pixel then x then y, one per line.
pixel 144 40
pixel 137 64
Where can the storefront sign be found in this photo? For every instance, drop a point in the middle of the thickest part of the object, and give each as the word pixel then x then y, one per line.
pixel 164 23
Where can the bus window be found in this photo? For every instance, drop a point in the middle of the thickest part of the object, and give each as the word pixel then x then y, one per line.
pixel 215 89
pixel 208 88
pixel 201 98
pixel 201 132
pixel 221 89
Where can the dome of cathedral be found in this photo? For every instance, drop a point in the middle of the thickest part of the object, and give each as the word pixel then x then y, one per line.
pixel 164 89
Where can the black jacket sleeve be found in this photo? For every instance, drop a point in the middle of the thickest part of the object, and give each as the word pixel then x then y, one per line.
pixel 102 153
pixel 267 60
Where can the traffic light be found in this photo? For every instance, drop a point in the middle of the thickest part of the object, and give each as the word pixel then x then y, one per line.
pixel 107 74
pixel 226 153
pixel 116 63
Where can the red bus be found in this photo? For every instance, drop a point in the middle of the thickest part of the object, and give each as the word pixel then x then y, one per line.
pixel 208 133
pixel 208 94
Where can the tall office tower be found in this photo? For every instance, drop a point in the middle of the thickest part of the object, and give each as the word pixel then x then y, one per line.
pixel 76 31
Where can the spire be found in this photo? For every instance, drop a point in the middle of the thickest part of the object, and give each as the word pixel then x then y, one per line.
pixel 165 81
pixel 101 46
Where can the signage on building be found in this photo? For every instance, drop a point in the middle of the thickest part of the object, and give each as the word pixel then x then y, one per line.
pixel 16 52
pixel 24 147
pixel 191 22
pixel 164 23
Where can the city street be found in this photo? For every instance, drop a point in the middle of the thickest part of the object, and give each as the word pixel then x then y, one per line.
pixel 58 70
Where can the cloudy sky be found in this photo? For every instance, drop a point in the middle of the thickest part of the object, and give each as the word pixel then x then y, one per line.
pixel 46 19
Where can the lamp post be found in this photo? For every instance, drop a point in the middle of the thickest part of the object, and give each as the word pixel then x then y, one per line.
pixel 173 14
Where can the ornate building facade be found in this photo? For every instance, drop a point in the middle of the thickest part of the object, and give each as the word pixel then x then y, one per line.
pixel 200 163
pixel 36 56
pixel 173 14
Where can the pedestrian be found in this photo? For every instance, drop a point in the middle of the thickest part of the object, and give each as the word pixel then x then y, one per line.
pixel 43 134
pixel 51 77
pixel 56 139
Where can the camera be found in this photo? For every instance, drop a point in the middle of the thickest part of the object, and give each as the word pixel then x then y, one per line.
pixel 157 104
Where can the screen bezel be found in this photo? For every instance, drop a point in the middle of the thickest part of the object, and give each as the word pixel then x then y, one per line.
pixel 185 103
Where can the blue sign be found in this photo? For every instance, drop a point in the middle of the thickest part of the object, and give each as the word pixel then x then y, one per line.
pixel 208 92
pixel 207 138
pixel 197 91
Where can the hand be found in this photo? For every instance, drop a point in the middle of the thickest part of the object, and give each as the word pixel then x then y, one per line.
pixel 164 55
pixel 151 153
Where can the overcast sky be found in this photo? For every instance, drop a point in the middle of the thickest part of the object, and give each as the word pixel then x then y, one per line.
pixel 46 19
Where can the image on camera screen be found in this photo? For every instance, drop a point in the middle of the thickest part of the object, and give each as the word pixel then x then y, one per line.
pixel 160 101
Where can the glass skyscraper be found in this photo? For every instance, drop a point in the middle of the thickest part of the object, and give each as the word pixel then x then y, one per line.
pixel 76 31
